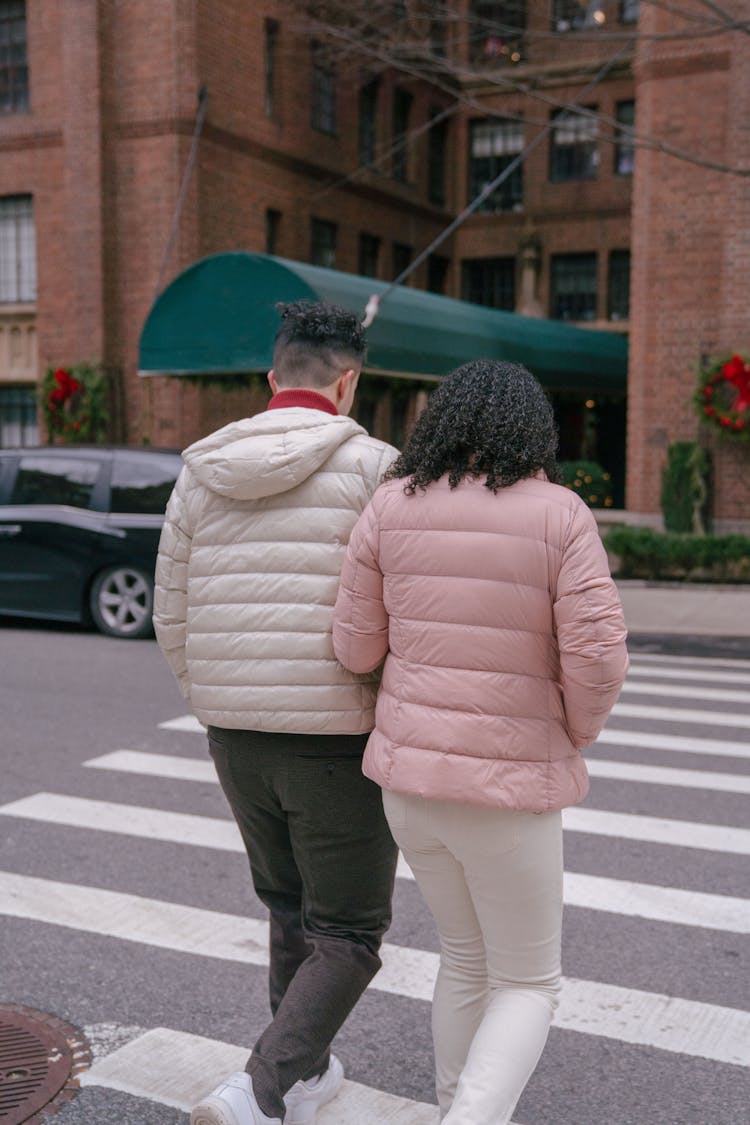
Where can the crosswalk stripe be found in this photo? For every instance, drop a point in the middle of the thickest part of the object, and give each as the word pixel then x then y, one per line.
pixel 654 830
pixel 666 775
pixel 188 724
pixel 680 715
pixel 591 1007
pixel 191 769
pixel 176 1069
pixel 683 691
pixel 701 674
pixel 213 832
pixel 697 662
pixel 683 744
pixel 611 895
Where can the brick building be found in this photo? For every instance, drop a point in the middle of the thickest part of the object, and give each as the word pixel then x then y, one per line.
pixel 691 251
pixel 356 155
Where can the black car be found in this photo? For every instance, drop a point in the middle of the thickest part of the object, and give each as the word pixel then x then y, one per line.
pixel 79 530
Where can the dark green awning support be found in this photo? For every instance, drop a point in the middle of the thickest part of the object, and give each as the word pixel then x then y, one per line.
pixel 218 317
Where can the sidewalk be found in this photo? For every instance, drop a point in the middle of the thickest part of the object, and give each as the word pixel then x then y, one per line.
pixel 706 618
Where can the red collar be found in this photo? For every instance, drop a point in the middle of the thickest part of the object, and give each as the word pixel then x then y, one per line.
pixel 300 396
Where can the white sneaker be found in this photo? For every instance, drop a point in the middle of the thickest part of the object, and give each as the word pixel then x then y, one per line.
pixel 305 1098
pixel 232 1103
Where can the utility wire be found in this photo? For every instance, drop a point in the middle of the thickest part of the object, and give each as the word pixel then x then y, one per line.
pixel 375 301
pixel 202 106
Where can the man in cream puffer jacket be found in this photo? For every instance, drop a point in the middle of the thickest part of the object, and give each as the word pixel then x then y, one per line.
pixel 246 580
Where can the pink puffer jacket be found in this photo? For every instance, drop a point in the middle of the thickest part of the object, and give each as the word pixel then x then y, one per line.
pixel 503 638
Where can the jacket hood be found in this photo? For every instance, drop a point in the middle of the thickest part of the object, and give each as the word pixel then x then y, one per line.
pixel 269 453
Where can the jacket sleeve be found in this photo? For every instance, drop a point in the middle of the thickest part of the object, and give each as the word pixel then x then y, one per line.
pixel 170 587
pixel 590 630
pixel 360 621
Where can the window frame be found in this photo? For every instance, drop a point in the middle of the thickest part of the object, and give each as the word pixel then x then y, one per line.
pixel 624 145
pixel 618 280
pixel 508 197
pixel 591 261
pixel 401 108
pixel 18 268
pixel 271 28
pixel 323 92
pixel 578 160
pixel 492 275
pixel 14 74
pixel 319 246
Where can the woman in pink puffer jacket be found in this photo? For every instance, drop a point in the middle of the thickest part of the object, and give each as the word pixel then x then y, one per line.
pixel 486 589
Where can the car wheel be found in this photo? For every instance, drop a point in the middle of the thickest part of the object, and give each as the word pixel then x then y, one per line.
pixel 121 602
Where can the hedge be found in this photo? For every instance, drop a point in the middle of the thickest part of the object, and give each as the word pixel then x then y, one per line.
pixel 644 553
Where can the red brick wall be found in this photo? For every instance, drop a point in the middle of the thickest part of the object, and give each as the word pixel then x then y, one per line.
pixel 691 252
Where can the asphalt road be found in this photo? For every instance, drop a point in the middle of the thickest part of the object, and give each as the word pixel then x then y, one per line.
pixel 119 915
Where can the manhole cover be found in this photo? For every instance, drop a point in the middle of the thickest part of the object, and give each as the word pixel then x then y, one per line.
pixel 40 1057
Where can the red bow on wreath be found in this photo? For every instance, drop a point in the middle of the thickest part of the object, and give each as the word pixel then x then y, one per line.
pixel 737 372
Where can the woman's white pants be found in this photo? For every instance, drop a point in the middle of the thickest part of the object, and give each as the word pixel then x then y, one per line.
pixel 493 881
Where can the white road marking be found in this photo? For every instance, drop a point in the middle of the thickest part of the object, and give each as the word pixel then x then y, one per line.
pixel 666 775
pixel 680 715
pixel 683 744
pixel 683 691
pixel 177 1069
pixel 650 1019
pixel 698 662
pixel 193 769
pixel 654 830
pixel 701 674
pixel 663 903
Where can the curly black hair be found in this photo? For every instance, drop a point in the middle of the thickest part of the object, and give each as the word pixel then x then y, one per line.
pixel 488 418
pixel 314 342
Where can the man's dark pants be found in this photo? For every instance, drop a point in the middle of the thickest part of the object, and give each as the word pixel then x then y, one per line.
pixel 323 861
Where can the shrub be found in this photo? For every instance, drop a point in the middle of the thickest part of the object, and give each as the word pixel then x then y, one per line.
pixel 644 553
pixel 592 483
pixel 684 493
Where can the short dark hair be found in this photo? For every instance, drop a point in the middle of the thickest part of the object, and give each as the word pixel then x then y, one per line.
pixel 314 341
pixel 489 419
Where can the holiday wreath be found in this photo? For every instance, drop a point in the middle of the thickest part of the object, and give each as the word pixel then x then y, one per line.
pixel 73 401
pixel 723 396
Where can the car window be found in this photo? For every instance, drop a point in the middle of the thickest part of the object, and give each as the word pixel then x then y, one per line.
pixel 143 484
pixel 55 480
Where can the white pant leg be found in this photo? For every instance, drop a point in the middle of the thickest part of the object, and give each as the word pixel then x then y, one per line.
pixel 506 879
pixel 460 996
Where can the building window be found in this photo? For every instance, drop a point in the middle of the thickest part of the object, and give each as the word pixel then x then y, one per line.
pixel 323 243
pixel 368 109
pixel 489 281
pixel 18 417
pixel 323 100
pixel 369 252
pixel 270 41
pixel 273 226
pixel 436 158
pixel 14 71
pixel 628 11
pixel 437 272
pixel 570 15
pixel 618 285
pixel 402 256
pixel 493 145
pixel 402 101
pixel 496 34
pixel 624 144
pixel 573 287
pixel 574 150
pixel 17 249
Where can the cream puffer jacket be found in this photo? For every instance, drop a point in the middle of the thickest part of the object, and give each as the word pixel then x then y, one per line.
pixel 503 638
pixel 248 567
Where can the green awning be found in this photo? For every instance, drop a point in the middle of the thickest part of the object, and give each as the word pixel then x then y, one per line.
pixel 218 317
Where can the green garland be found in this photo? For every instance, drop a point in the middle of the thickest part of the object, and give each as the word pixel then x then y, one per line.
pixel 73 403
